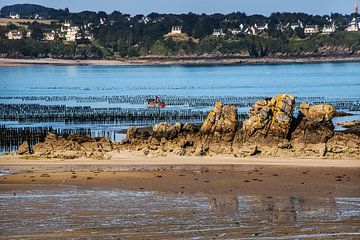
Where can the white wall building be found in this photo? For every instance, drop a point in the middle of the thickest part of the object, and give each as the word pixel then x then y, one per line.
pixel 311 29
pixel 69 32
pixel 14 15
pixel 354 25
pixel 218 33
pixel 296 25
pixel 176 30
pixel 14 35
pixel 328 29
pixel 49 36
pixel 234 31
pixel 261 27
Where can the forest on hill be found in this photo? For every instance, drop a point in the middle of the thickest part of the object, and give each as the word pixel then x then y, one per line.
pixel 112 35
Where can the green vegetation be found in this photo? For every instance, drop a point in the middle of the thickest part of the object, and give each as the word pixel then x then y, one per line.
pixel 122 35
pixel 57 49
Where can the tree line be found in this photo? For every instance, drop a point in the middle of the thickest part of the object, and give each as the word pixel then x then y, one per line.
pixel 122 35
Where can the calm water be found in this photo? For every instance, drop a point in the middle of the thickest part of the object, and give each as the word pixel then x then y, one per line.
pixel 74 212
pixel 326 79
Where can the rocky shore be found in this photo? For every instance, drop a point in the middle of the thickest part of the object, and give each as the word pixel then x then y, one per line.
pixel 271 130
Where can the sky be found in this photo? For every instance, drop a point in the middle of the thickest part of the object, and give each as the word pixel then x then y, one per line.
pixel 133 7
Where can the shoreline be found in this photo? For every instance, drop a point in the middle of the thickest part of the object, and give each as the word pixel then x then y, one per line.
pixel 137 160
pixel 164 61
pixel 129 171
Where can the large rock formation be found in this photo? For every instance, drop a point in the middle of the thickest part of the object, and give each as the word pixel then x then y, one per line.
pixel 221 123
pixel 270 130
pixel 24 148
pixel 73 146
pixel 269 120
pixel 166 130
pixel 314 124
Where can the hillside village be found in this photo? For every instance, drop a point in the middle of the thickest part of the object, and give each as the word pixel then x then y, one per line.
pixel 164 34
pixel 70 32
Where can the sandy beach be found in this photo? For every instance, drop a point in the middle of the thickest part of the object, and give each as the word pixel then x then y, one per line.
pixel 212 197
pixel 186 60
pixel 201 174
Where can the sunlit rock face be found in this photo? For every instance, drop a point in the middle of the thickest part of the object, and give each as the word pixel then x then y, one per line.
pixel 314 124
pixel 221 123
pixel 269 120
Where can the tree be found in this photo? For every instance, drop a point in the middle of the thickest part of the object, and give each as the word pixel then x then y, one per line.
pixel 37 34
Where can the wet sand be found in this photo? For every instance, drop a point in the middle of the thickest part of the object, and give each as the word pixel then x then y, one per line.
pixel 180 60
pixel 244 180
pixel 199 197
pixel 217 174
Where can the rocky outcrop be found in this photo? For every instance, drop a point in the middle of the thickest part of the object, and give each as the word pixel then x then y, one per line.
pixel 24 148
pixel 270 130
pixel 73 146
pixel 343 146
pixel 220 124
pixel 314 124
pixel 269 120
pixel 166 130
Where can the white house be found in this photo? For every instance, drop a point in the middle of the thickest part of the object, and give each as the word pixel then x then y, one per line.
pixel 14 15
pixel 14 35
pixel 311 29
pixel 49 36
pixel 234 31
pixel 218 33
pixel 328 29
pixel 28 34
pixel 280 27
pixel 176 30
pixel 251 30
pixel 354 25
pixel 261 27
pixel 296 25
pixel 69 32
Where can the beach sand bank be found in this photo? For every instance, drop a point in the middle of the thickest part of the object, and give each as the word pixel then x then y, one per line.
pixel 177 61
pixel 139 197
pixel 217 174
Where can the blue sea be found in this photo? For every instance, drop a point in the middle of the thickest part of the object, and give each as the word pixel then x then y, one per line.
pixel 323 79
pixel 25 84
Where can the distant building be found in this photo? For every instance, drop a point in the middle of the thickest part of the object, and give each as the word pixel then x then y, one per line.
pixel 354 25
pixel 28 34
pixel 234 31
pixel 49 36
pixel 280 27
pixel 328 29
pixel 14 35
pixel 218 33
pixel 251 31
pixel 296 25
pixel 311 29
pixel 261 27
pixel 69 32
pixel 176 30
pixel 14 15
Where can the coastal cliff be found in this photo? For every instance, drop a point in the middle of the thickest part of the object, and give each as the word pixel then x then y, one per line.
pixel 271 130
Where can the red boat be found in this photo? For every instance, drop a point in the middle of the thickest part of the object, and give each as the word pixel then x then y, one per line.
pixel 155 103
